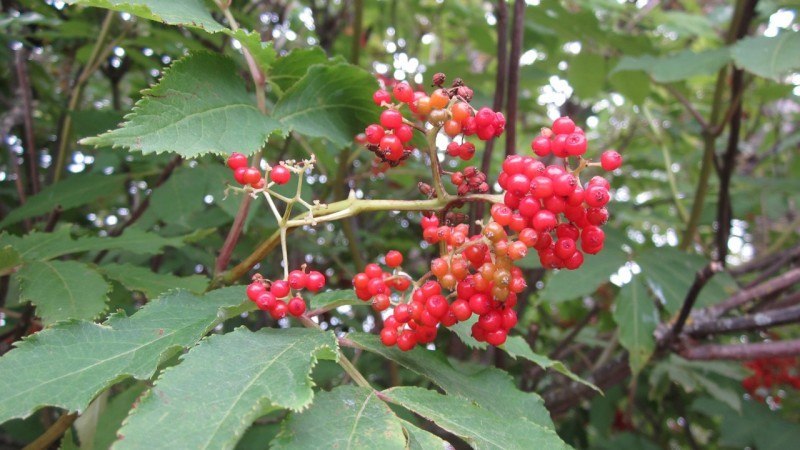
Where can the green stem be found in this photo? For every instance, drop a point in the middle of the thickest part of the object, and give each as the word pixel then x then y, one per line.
pixel 668 165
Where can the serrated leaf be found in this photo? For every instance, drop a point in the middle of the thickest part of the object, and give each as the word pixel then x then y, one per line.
pixel 77 190
pixel 199 106
pixel 516 347
pixel 9 258
pixel 263 53
pixel 769 57
pixel 263 368
pixel 190 13
pixel 419 439
pixel 289 69
pixel 348 417
pixel 637 318
pixel 43 246
pixel 676 67
pixel 596 270
pixel 137 278
pixel 63 290
pixel 88 357
pixel 334 299
pixel 670 274
pixel 482 428
pixel 490 388
pixel 333 102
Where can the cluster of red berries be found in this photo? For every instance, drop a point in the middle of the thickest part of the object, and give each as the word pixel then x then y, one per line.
pixel 374 284
pixel 769 373
pixel 471 179
pixel 551 201
pixel 244 174
pixel 274 296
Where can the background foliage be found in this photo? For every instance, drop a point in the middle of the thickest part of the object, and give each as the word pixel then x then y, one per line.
pixel 111 236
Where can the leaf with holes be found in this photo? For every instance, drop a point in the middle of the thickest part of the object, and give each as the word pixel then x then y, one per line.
pixel 332 102
pixel 63 290
pixel 90 357
pixel 263 370
pixel 348 417
pixel 190 13
pixel 482 428
pixel 200 106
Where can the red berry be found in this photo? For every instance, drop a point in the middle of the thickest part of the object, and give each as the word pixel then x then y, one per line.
pixel 279 310
pixel 576 144
pixel 388 336
pixel 266 301
pixel 437 306
pixel 280 288
pixel 391 118
pixel 237 160
pixel 518 184
pixel 609 160
pixel 402 313
pixel 484 117
pixel 380 96
pixel 297 279
pixel 486 133
pixel 431 288
pixel 404 132
pixel 407 340
pixel 315 281
pixel 596 196
pixel 376 286
pixel 563 125
pixel 251 175
pixel 544 220
pixel 280 174
pixel 374 133
pixel 394 258
pixel 238 175
pixel 373 270
pixel 403 92
pixel 490 321
pixel 381 302
pixel 460 308
pixel 254 290
pixel 565 248
pixel 559 146
pixel 297 306
pixel 496 337
pixel 480 304
pixel 541 146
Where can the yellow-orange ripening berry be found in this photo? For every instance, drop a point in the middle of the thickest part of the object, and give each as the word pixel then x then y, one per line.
pixel 439 98
pixel 439 267
pixel 460 111
pixel 452 128
pixel 424 106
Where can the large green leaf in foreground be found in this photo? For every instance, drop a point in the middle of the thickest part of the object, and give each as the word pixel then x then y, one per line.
pixel 200 106
pixel 348 417
pixel 67 365
pixel 190 13
pixel 224 384
pixel 482 428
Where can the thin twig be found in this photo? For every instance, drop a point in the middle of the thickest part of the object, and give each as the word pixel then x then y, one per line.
pixel 53 433
pixel 757 321
pixel 743 352
pixel 517 29
pixel 27 102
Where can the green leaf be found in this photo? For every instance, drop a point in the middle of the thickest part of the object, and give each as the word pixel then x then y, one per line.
pixel 137 278
pixel 333 102
pixel 77 190
pixel 676 67
pixel 9 258
pixel 464 332
pixel 42 246
pixel 289 69
pixel 756 426
pixel 769 57
pixel 63 290
pixel 419 439
pixel 334 299
pixel 348 417
pixel 482 428
pixel 721 380
pixel 596 270
pixel 264 369
pixel 587 74
pixel 670 274
pixel 637 318
pixel 200 106
pixel 89 357
pixel 635 86
pixel 517 348
pixel 490 388
pixel 190 13
pixel 263 53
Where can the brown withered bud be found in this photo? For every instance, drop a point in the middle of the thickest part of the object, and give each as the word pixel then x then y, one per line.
pixel 425 189
pixel 463 189
pixel 465 93
pixel 458 82
pixel 438 79
pixel 470 171
pixel 483 188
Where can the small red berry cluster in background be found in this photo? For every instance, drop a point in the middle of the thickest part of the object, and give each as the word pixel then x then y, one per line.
pixel 246 175
pixel 550 201
pixel 374 284
pixel 471 179
pixel 769 373
pixel 280 297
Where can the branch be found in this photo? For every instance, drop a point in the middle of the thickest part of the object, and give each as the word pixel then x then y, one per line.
pixel 53 433
pixel 743 352
pixel 689 107
pixel 785 280
pixel 758 321
pixel 27 101
pixel 701 278
pixel 517 29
